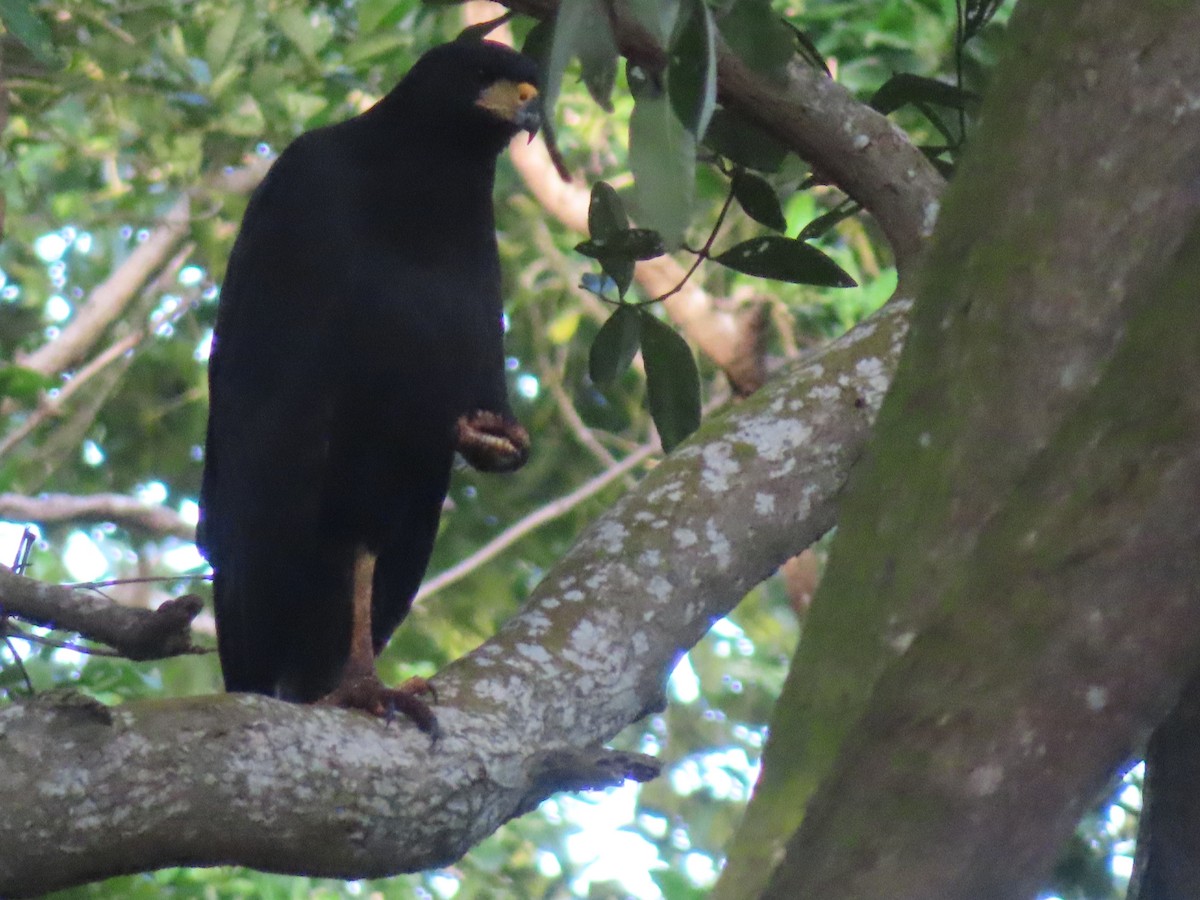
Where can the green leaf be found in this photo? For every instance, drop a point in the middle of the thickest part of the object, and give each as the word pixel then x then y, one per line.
pixel 656 16
pixel 826 221
pixel 756 196
pixel 581 29
pixel 662 155
pixel 245 118
pixel 615 345
pixel 374 46
pixel 538 42
pixel 30 29
pixel 672 381
pixel 379 15
pixel 783 259
pixel 298 28
pixel 745 144
pixel 599 73
pixel 758 36
pixel 632 243
pixel 218 46
pixel 692 68
pixel 903 89
pixel 606 212
pixel 808 49
pixel 607 221
pixel 23 385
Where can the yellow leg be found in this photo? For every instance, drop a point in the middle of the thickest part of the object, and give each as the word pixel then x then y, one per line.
pixel 362 652
pixel 360 687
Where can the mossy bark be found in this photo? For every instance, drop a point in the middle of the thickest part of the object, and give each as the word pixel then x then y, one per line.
pixel 1049 243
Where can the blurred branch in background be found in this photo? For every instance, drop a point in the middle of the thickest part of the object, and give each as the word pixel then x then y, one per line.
pixel 128 513
pixel 539 517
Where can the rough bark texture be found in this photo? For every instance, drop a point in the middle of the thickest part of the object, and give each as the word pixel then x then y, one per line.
pixel 1065 637
pixel 90 792
pixel 1052 238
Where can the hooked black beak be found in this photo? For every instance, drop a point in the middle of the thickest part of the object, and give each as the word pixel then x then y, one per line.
pixel 529 116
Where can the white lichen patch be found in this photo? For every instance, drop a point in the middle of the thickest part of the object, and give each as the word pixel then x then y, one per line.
pixel 901 642
pixel 1097 698
pixel 684 538
pixel 718 544
pixel 643 515
pixel 535 622
pixel 535 652
pixel 861 141
pixel 496 690
pixel 69 782
pixel 773 438
pixel 650 559
pixel 764 504
pixel 659 588
pixel 611 535
pixel 929 220
pixel 873 380
pixel 824 393
pixel 719 466
pixel 586 637
pixel 985 780
pixel 550 603
pixel 669 490
pixel 573 596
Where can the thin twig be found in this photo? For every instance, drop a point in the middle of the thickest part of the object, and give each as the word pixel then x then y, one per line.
pixel 145 579
pixel 534 520
pixel 701 254
pixel 21 634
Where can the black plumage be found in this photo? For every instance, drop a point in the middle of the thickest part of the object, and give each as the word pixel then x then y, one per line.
pixel 358 344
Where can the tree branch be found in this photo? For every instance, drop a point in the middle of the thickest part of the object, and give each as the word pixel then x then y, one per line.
pixel 121 510
pixel 138 634
pixel 192 781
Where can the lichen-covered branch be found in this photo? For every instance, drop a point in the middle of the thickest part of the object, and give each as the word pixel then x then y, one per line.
pixel 194 781
pixel 134 633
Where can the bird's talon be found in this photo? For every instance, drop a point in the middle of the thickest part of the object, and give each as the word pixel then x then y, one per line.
pixel 491 442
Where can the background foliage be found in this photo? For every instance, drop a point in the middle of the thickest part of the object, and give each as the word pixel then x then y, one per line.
pixel 117 108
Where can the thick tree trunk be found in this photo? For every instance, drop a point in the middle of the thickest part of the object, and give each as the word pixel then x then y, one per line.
pixel 1015 551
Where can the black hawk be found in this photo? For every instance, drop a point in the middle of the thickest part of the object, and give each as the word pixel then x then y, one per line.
pixel 358 345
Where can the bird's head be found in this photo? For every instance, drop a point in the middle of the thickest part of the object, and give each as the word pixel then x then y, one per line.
pixel 475 90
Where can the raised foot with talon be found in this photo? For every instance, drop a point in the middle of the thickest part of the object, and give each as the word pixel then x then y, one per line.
pixel 491 442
